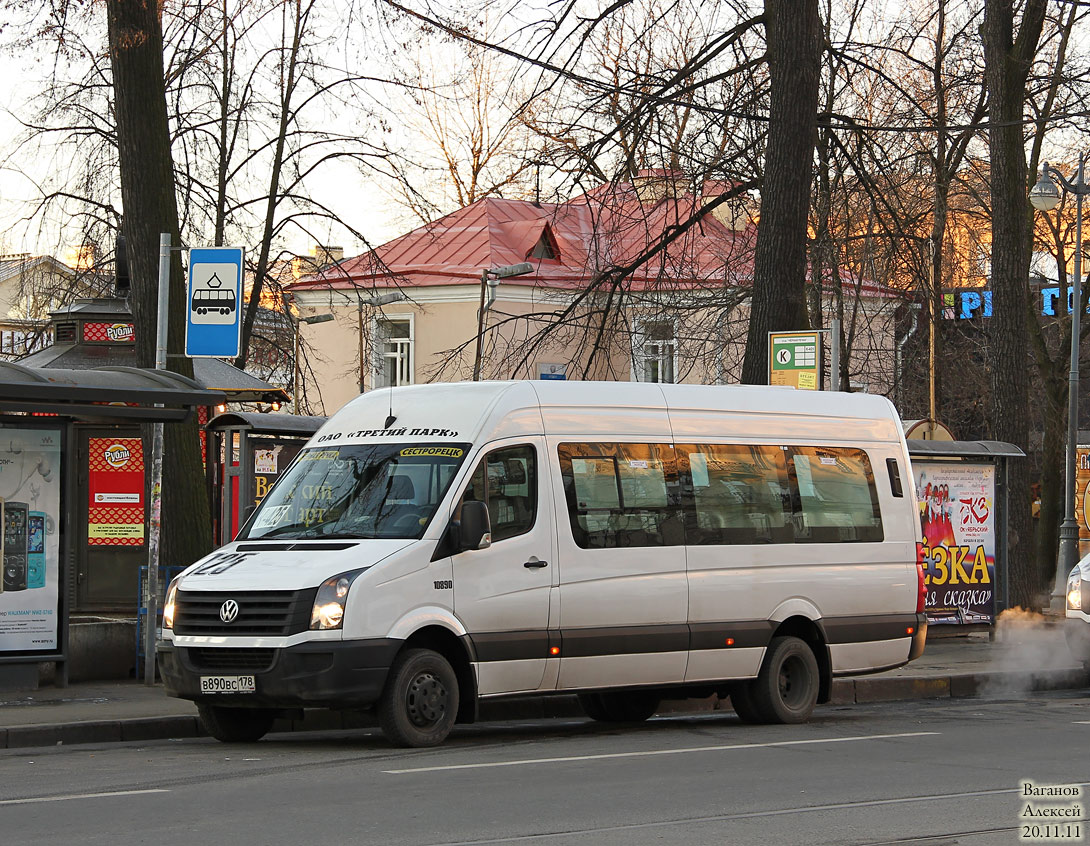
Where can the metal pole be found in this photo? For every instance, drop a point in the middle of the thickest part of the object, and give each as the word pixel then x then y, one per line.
pixel 1069 529
pixel 155 505
pixel 834 347
pixel 359 329
pixel 932 411
pixel 295 371
pixel 480 329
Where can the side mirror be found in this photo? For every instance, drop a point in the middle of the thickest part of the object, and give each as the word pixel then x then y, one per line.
pixel 474 529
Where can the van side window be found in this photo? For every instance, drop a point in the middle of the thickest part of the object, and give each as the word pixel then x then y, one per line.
pixel 506 480
pixel 622 495
pixel 735 493
pixel 837 497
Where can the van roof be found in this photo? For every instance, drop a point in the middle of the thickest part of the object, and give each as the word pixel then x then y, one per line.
pixel 462 411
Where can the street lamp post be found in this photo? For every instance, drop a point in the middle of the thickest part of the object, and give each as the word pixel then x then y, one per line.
pixel 490 281
pixel 1045 196
pixel 296 372
pixel 374 301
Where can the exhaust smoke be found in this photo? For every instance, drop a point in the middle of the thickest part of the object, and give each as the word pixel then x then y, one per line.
pixel 1029 649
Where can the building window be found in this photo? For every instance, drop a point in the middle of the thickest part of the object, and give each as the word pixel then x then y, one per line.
pixel 393 352
pixel 654 351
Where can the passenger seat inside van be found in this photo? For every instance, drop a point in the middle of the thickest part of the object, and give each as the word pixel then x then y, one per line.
pixel 510 507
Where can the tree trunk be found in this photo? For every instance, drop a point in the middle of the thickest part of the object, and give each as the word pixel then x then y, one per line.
pixel 1007 62
pixel 147 193
pixel 793 34
pixel 1053 452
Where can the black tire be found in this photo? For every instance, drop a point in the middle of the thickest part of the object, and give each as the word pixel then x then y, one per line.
pixel 620 706
pixel 420 701
pixel 741 699
pixel 786 689
pixel 235 725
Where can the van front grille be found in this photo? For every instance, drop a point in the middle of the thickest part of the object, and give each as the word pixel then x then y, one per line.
pixel 231 658
pixel 260 612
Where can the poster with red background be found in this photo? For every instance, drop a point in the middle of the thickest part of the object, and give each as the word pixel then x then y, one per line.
pixel 115 475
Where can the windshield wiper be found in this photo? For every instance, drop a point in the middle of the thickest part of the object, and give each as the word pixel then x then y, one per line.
pixel 278 531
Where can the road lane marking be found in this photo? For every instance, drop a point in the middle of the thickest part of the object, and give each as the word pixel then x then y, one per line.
pixel 608 755
pixel 745 815
pixel 35 799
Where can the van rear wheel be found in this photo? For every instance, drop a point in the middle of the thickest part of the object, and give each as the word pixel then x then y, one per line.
pixel 620 707
pixel 420 702
pixel 235 725
pixel 786 689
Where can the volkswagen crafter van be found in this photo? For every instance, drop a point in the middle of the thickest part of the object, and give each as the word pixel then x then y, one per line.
pixel 437 545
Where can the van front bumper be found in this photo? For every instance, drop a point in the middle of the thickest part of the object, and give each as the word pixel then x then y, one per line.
pixel 324 674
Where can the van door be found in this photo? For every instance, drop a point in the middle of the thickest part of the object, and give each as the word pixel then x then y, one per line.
pixel 501 594
pixel 623 588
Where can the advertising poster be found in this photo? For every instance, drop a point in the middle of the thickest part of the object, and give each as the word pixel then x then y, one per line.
pixel 269 463
pixel 115 483
pixel 1082 501
pixel 957 515
pixel 109 333
pixel 30 502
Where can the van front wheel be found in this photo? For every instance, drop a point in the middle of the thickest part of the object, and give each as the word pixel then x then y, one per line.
pixel 786 689
pixel 420 702
pixel 235 725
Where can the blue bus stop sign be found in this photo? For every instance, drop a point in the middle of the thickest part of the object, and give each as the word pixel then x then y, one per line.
pixel 213 324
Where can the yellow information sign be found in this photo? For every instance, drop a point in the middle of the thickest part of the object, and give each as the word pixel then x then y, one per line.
pixel 794 358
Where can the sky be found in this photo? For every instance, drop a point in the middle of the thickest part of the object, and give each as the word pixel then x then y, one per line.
pixel 341 187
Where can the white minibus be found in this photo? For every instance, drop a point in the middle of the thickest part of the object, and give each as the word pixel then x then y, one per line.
pixel 437 545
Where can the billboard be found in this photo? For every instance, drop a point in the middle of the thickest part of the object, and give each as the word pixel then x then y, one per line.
pixel 30 512
pixel 115 486
pixel 957 516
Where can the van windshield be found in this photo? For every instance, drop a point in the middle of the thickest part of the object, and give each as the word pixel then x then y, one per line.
pixel 358 491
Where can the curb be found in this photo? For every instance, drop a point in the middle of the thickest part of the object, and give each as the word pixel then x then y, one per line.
pixel 858 691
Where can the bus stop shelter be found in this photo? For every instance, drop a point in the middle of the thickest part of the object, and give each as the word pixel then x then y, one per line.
pixel 963 490
pixel 41 510
pixel 247 453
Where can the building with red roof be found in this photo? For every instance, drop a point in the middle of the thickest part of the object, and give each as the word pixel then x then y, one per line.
pixel 626 282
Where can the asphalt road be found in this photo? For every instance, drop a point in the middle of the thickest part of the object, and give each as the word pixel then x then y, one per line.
pixel 927 772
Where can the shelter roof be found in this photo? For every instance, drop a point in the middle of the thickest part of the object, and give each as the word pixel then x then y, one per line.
pixel 963 449
pixel 73 352
pixel 267 424
pixel 108 394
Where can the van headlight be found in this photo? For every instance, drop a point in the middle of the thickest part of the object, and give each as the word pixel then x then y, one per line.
pixel 328 610
pixel 1074 591
pixel 168 605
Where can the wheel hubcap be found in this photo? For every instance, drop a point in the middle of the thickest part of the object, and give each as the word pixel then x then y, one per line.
pixel 427 699
pixel 793 682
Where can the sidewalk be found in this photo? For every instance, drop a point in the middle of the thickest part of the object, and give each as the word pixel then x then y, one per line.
pixel 1016 663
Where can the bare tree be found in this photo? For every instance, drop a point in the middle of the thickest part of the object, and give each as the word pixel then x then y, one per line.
pixel 458 130
pixel 147 188
pixel 1008 56
pixel 794 44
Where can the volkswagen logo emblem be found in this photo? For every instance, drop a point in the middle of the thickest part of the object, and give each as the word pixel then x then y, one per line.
pixel 229 611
